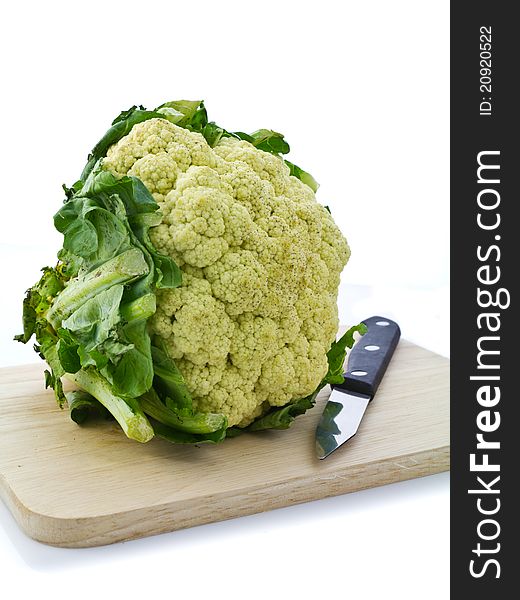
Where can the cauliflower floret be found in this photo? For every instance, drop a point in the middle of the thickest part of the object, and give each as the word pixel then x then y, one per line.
pixel 267 166
pixel 157 171
pixel 158 137
pixel 238 279
pixel 200 379
pixel 256 340
pixel 252 192
pixel 193 313
pixel 204 220
pixel 198 223
pixel 305 361
pixel 256 313
pixel 319 319
pixel 233 395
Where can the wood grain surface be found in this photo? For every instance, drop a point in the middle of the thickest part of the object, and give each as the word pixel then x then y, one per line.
pixel 75 486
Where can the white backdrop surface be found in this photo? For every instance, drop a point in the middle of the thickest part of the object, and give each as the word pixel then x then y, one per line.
pixel 361 92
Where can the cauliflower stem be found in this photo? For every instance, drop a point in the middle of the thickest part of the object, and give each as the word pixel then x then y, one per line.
pixel 194 296
pixel 127 412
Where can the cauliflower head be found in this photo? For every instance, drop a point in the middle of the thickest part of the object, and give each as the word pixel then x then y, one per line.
pixel 251 324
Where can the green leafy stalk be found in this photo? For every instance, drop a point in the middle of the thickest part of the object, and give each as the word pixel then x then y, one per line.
pixel 89 314
pixel 303 176
pixel 121 269
pixel 169 381
pixel 127 412
pixel 338 352
pixel 282 418
pixel 190 423
pixel 266 140
pixel 181 437
pixel 140 309
pixel 83 406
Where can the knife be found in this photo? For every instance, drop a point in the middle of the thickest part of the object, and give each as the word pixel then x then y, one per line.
pixel 367 363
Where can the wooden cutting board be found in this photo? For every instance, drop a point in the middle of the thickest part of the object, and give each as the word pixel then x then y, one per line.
pixel 87 486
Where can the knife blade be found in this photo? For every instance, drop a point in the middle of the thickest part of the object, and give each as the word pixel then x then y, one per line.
pixel 348 401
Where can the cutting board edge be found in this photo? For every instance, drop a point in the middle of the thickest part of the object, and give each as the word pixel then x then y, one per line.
pixel 85 532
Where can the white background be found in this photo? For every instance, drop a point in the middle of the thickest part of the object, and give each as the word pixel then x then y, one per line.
pixel 360 90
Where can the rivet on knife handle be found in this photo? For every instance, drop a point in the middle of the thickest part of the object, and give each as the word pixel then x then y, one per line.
pixel 369 358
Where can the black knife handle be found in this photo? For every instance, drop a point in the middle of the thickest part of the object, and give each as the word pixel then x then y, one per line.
pixel 369 358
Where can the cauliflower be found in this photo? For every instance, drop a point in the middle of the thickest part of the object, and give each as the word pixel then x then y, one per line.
pixel 252 322
pixel 196 291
